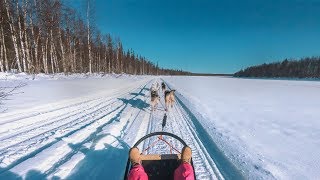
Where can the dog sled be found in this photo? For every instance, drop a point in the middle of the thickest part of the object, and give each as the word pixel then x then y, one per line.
pixel 159 166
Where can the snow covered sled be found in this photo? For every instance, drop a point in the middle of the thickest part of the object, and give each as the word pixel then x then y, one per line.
pixel 159 166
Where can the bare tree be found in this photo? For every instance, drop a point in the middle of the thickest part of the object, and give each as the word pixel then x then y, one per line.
pixel 13 33
pixel 46 36
pixel 89 35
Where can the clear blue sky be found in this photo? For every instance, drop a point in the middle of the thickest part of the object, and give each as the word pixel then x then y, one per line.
pixel 212 36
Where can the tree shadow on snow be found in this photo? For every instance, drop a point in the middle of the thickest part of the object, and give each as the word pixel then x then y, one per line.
pixel 135 103
pixel 31 175
pixel 9 175
pixel 35 175
pixel 107 163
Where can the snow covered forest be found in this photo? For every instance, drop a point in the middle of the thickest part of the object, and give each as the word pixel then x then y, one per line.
pixel 303 68
pixel 44 36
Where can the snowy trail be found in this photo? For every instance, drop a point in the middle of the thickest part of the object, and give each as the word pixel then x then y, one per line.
pixel 181 123
pixel 89 138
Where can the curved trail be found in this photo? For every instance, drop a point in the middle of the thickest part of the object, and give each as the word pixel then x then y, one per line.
pixel 90 138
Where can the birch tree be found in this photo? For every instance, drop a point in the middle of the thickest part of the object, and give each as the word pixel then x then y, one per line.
pixel 89 35
pixel 13 34
pixel 46 36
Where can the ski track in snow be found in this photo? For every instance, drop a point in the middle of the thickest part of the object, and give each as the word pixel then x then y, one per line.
pixel 63 141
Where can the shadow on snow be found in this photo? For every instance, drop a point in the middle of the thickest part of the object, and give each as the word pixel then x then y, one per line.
pixel 108 163
pixel 137 94
pixel 135 103
pixel 31 175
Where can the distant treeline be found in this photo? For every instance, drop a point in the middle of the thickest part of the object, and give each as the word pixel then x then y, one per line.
pixel 308 67
pixel 208 74
pixel 49 37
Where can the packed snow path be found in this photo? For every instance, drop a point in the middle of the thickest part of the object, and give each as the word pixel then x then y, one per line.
pixel 89 138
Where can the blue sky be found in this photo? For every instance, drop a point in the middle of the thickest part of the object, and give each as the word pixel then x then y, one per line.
pixel 212 36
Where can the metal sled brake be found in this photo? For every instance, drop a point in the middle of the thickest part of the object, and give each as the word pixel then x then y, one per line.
pixel 159 166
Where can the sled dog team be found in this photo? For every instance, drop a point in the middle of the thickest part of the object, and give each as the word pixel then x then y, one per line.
pixel 155 98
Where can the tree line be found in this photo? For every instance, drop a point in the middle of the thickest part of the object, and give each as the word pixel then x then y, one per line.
pixel 308 67
pixel 46 36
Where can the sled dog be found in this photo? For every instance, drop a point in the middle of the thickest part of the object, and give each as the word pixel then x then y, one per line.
pixel 154 94
pixel 169 98
pixel 155 99
pixel 163 86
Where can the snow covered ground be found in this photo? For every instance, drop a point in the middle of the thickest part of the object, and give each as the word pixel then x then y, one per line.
pixel 81 127
pixel 45 89
pixel 53 124
pixel 268 128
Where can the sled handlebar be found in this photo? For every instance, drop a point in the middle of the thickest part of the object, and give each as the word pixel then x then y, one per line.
pixel 157 134
pixel 128 167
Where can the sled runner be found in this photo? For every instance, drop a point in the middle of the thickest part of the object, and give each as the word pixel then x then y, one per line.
pixel 159 166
